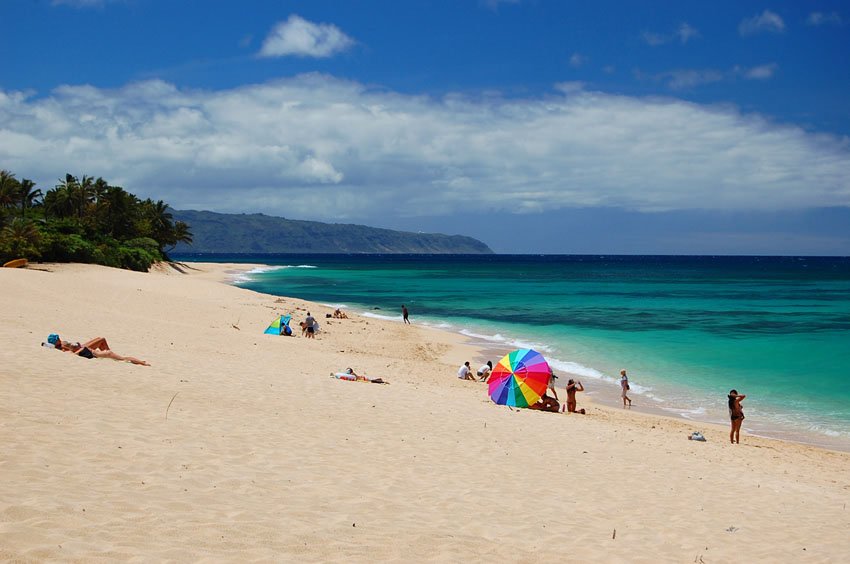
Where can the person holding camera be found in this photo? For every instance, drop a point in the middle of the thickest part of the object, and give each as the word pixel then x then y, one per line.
pixel 573 386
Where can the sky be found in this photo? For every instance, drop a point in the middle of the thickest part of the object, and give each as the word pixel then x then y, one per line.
pixel 536 126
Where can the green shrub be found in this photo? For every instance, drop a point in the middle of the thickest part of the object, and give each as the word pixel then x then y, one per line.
pixel 136 258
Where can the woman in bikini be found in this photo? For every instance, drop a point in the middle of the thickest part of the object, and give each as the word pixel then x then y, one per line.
pixel 736 413
pixel 96 348
pixel 573 387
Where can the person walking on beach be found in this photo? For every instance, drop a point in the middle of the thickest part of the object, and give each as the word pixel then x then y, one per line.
pixel 736 413
pixel 624 388
pixel 404 314
pixel 310 326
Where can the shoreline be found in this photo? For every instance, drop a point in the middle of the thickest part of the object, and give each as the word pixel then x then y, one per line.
pixel 601 397
pixel 238 446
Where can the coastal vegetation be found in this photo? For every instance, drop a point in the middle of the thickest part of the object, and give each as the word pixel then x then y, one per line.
pixel 86 220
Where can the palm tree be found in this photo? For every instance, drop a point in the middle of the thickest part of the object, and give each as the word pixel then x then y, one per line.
pixel 22 238
pixel 160 221
pixel 9 187
pixel 84 194
pixel 99 189
pixel 180 234
pixel 59 202
pixel 116 212
pixel 28 196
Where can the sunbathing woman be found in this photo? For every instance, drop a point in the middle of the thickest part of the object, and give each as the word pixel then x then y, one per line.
pixel 351 375
pixel 96 348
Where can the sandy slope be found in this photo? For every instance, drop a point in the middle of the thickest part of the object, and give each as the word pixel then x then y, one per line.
pixel 263 457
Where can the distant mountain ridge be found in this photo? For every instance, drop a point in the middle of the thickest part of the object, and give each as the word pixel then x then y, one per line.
pixel 259 233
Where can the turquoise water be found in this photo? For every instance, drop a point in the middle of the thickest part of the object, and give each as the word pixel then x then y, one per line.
pixel 688 329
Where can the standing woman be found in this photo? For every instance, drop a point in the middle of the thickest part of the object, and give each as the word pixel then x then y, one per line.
pixel 736 413
pixel 624 388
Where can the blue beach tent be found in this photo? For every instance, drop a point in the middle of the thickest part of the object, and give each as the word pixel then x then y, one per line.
pixel 280 326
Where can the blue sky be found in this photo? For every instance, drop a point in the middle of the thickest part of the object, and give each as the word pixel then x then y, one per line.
pixel 533 125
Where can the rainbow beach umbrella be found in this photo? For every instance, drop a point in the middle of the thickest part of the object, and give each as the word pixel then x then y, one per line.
pixel 519 379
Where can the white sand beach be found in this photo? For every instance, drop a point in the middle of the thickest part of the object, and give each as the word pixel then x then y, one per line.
pixel 238 446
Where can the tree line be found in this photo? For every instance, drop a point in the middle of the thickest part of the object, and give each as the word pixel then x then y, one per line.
pixel 84 219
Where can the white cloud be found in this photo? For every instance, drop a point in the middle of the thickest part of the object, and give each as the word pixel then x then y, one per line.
pixel 654 39
pixel 577 60
pixel 767 21
pixel 299 37
pixel 761 72
pixel 684 33
pixel 570 87
pixel 321 148
pixel 819 18
pixel 683 79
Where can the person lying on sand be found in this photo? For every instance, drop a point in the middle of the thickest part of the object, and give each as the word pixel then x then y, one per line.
pixel 546 403
pixel 339 314
pixel 350 375
pixel 93 348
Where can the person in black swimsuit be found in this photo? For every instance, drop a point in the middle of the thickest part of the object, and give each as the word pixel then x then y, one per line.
pixel 96 348
pixel 736 414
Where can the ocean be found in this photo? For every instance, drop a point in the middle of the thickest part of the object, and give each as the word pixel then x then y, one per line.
pixel 687 329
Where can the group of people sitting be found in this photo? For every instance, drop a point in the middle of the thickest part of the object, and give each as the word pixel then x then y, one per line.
pixel 93 348
pixel 465 372
pixel 545 403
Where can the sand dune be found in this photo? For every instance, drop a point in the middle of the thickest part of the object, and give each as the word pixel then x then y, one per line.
pixel 238 446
